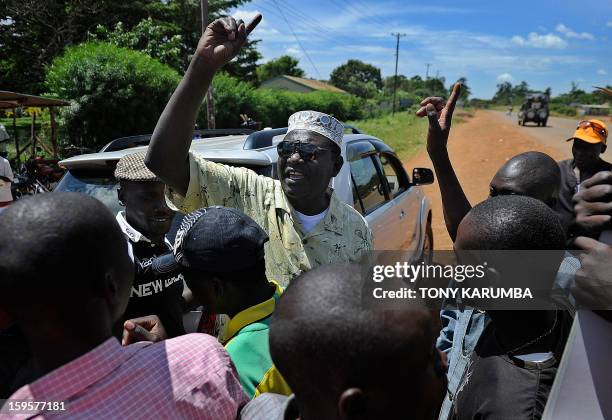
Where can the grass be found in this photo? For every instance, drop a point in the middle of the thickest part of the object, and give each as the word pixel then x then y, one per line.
pixel 23 130
pixel 404 132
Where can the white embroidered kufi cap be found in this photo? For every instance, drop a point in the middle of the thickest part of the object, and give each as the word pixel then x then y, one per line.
pixel 321 123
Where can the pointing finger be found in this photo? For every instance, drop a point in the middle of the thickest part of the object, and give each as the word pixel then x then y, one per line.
pixel 253 23
pixel 452 101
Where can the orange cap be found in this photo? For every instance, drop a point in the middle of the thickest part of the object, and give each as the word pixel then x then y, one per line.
pixel 591 131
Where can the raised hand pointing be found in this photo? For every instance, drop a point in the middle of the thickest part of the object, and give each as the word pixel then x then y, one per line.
pixel 223 39
pixel 440 115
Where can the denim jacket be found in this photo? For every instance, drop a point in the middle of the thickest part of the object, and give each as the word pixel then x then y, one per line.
pixel 461 330
pixel 465 325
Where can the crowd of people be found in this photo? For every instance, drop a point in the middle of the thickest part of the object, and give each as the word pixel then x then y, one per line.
pixel 92 304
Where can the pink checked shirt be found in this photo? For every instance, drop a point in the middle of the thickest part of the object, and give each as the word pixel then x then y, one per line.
pixel 187 377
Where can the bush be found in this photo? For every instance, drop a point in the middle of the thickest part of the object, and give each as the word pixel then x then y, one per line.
pixel 113 91
pixel 272 107
pixel 563 109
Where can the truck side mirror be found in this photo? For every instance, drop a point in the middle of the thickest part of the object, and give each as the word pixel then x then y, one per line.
pixel 422 176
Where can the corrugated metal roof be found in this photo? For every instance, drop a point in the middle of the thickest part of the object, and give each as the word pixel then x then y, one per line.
pixel 15 100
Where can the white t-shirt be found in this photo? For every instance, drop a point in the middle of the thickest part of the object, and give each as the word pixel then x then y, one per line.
pixel 5 187
pixel 309 222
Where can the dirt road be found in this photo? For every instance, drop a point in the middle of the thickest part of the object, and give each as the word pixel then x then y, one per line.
pixel 557 130
pixel 480 146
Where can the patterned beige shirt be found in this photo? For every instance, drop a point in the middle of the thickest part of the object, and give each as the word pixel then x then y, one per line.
pixel 342 236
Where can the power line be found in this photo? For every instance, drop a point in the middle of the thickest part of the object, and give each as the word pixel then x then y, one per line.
pixel 312 27
pixel 397 35
pixel 297 39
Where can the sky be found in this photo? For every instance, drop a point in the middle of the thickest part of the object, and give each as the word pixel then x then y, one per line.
pixel 546 43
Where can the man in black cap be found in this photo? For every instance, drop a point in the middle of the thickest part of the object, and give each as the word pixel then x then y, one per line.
pixel 145 223
pixel 220 252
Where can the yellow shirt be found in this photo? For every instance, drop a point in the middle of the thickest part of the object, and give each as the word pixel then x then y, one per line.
pixel 341 237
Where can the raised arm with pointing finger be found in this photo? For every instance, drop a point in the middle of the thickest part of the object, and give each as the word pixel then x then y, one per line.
pixel 169 147
pixel 440 115
pixel 307 223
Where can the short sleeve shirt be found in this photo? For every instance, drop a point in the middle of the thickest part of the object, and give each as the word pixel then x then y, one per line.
pixel 246 341
pixel 341 237
pixel 5 186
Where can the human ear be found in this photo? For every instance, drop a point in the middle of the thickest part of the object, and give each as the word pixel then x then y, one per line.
pixel 351 404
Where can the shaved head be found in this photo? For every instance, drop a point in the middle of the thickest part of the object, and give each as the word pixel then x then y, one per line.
pixel 324 342
pixel 532 174
pixel 511 222
pixel 59 249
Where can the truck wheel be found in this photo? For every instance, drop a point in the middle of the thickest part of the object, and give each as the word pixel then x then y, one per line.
pixel 544 122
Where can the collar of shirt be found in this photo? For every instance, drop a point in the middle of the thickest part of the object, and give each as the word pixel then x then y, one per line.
pixel 83 372
pixel 133 234
pixel 250 315
pixel 331 222
pixel 128 230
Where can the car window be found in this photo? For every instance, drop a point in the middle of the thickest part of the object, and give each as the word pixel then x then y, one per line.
pixel 368 189
pixel 100 185
pixel 397 179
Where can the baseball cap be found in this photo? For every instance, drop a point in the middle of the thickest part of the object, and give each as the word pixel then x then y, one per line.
pixel 591 131
pixel 215 239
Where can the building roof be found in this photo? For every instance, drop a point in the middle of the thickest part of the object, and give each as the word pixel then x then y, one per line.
pixel 16 100
pixel 602 106
pixel 310 83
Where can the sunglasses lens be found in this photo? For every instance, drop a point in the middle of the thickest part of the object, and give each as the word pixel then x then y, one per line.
pixel 284 149
pixel 308 151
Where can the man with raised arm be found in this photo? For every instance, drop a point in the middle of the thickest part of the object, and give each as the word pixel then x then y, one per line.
pixel 307 223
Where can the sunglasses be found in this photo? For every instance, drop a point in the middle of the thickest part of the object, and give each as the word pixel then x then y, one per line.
pixel 598 129
pixel 307 151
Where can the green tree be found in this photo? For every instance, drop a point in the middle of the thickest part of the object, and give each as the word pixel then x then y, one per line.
pixel 284 64
pixel 114 91
pixel 504 93
pixel 36 32
pixel 39 31
pixel 358 78
pixel 520 91
pixel 157 40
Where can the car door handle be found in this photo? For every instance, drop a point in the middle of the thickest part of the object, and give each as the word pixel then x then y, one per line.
pixel 402 214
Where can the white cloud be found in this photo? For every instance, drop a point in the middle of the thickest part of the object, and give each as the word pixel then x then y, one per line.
pixel 294 51
pixel 536 40
pixel 569 33
pixel 505 77
pixel 602 72
pixel 610 24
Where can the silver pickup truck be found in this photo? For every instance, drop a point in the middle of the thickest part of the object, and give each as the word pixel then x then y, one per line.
pixel 372 180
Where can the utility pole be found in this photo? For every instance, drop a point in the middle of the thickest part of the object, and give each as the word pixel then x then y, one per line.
pixel 427 71
pixel 397 35
pixel 210 102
